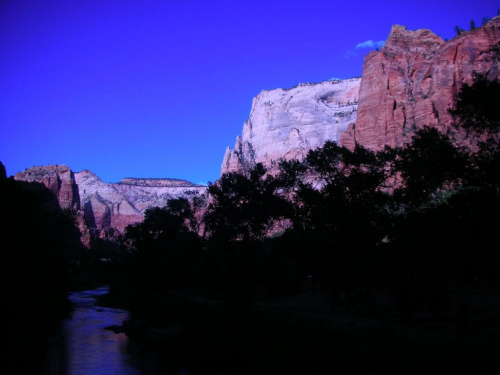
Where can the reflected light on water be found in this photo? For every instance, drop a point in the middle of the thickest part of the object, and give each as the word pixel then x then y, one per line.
pixel 84 346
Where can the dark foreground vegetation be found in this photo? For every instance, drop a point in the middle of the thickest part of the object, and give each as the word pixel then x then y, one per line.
pixel 350 261
pixel 39 243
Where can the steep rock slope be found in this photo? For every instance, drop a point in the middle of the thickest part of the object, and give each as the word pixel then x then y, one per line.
pixel 287 123
pixel 57 178
pixel 103 210
pixel 415 78
pixel 103 205
pixel 145 193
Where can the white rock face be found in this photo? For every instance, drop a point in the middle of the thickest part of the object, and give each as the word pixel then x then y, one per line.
pixel 103 210
pixel 144 197
pixel 104 206
pixel 287 123
pixel 116 205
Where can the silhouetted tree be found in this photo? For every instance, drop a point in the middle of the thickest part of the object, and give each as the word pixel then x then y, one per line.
pixel 165 251
pixel 428 164
pixel 477 112
pixel 476 108
pixel 38 241
pixel 458 30
pixel 244 207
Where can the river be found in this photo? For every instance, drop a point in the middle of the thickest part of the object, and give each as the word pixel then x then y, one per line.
pixel 83 345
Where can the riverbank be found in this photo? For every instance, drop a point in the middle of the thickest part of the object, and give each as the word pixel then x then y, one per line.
pixel 301 335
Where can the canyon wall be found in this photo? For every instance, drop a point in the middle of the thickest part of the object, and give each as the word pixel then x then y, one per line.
pixel 103 210
pixel 410 83
pixel 414 80
pixel 57 178
pixel 287 123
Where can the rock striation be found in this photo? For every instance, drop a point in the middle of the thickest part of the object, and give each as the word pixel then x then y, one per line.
pixel 414 80
pixel 103 210
pixel 146 193
pixel 287 123
pixel 57 178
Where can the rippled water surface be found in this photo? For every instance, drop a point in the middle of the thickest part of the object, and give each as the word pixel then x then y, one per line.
pixel 83 345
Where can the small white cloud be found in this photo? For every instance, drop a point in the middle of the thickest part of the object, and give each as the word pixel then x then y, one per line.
pixel 367 44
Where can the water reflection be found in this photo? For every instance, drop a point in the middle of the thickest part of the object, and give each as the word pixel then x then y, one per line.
pixel 84 346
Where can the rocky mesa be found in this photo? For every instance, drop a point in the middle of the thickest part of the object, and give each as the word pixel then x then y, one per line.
pixel 103 210
pixel 287 123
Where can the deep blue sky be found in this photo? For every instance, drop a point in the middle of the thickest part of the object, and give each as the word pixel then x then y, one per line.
pixel 161 88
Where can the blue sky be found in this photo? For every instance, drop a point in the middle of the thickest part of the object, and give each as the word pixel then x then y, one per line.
pixel 160 88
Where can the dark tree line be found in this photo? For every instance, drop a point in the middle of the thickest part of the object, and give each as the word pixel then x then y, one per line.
pixel 39 241
pixel 392 234
pixel 405 222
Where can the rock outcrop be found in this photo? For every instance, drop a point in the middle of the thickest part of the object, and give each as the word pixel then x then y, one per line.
pixel 414 80
pixel 103 210
pixel 57 178
pixel 287 123
pixel 145 193
pixel 103 205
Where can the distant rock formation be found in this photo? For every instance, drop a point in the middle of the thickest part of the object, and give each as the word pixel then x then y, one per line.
pixel 411 82
pixel 57 178
pixel 287 123
pixel 145 193
pixel 415 78
pixel 103 210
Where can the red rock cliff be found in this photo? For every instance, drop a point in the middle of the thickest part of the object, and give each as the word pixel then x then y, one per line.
pixel 103 210
pixel 415 78
pixel 59 179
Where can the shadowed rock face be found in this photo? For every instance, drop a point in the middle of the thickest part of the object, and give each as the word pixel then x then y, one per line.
pixel 286 124
pixel 414 79
pixel 57 178
pixel 103 210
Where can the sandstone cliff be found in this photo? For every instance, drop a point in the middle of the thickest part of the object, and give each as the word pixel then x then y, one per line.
pixel 102 209
pixel 415 78
pixel 146 193
pixel 57 178
pixel 287 123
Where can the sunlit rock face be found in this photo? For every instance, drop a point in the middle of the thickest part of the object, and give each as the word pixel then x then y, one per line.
pixel 287 123
pixel 103 205
pixel 415 79
pixel 116 205
pixel 57 178
pixel 146 193
pixel 103 210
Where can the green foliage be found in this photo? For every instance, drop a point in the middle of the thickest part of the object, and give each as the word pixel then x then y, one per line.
pixel 472 24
